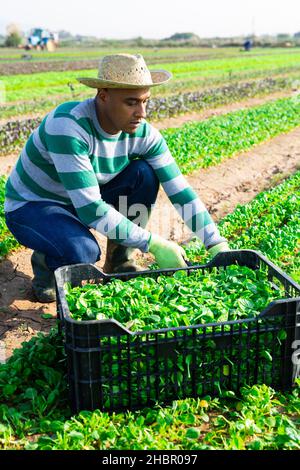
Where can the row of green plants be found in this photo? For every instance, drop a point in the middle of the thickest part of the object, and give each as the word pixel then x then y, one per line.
pixel 7 240
pixel 201 144
pixel 198 82
pixel 39 85
pixel 152 54
pixel 184 102
pixel 14 133
pixel 269 224
pixel 174 98
pixel 72 90
pixel 30 64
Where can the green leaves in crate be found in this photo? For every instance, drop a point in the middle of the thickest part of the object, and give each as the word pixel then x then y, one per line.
pixel 143 303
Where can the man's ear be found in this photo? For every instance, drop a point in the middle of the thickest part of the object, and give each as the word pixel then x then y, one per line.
pixel 102 94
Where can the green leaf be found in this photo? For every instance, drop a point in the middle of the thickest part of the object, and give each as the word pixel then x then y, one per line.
pixel 9 389
pixel 266 355
pixel 181 308
pixel 192 433
pixel 282 334
pixel 76 435
pixel 30 393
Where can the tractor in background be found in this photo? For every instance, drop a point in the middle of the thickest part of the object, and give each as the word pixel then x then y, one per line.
pixel 41 39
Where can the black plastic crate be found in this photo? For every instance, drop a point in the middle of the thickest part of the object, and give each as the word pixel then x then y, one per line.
pixel 112 368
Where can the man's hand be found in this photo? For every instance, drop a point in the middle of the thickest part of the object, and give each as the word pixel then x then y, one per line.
pixel 214 250
pixel 167 254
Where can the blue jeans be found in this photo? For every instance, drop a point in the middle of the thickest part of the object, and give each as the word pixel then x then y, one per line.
pixel 55 229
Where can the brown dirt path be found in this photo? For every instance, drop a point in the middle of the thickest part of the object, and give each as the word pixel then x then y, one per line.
pixel 235 181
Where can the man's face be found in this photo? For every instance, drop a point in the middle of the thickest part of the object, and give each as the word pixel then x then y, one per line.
pixel 122 109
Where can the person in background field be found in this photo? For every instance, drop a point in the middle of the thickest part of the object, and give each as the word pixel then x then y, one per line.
pixel 80 165
pixel 247 45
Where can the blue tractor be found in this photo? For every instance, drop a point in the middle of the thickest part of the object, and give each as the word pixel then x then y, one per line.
pixel 41 39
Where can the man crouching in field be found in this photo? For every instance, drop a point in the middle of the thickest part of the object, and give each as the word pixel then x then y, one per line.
pixel 82 164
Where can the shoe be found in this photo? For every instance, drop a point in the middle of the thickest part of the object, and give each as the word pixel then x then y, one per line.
pixel 43 283
pixel 119 258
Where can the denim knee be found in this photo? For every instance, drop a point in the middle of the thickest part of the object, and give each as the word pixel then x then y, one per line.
pixel 82 250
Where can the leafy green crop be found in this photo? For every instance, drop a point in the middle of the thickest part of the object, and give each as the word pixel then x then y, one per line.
pixel 259 419
pixel 206 143
pixel 181 96
pixel 32 388
pixel 143 303
pixel 7 240
pixel 40 85
pixel 14 133
pixel 269 224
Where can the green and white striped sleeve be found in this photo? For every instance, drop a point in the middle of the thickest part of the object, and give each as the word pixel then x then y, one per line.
pixel 182 196
pixel 68 146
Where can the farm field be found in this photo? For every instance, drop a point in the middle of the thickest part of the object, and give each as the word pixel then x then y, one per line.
pixel 153 55
pixel 47 88
pixel 232 123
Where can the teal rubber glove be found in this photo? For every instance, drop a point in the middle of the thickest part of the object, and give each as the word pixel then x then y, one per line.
pixel 167 254
pixel 214 250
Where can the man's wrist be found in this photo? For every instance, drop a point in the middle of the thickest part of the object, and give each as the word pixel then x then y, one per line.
pixel 215 249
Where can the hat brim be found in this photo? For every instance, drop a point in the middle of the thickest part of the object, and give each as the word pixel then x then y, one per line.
pixel 159 77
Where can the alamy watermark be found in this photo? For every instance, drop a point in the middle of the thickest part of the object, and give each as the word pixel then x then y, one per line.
pixel 296 353
pixel 111 223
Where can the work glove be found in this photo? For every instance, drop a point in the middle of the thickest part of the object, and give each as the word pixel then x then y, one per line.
pixel 167 254
pixel 214 250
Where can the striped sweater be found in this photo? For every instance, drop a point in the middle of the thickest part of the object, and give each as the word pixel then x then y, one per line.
pixel 69 156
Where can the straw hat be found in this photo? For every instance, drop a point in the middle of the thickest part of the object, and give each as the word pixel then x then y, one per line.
pixel 125 71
